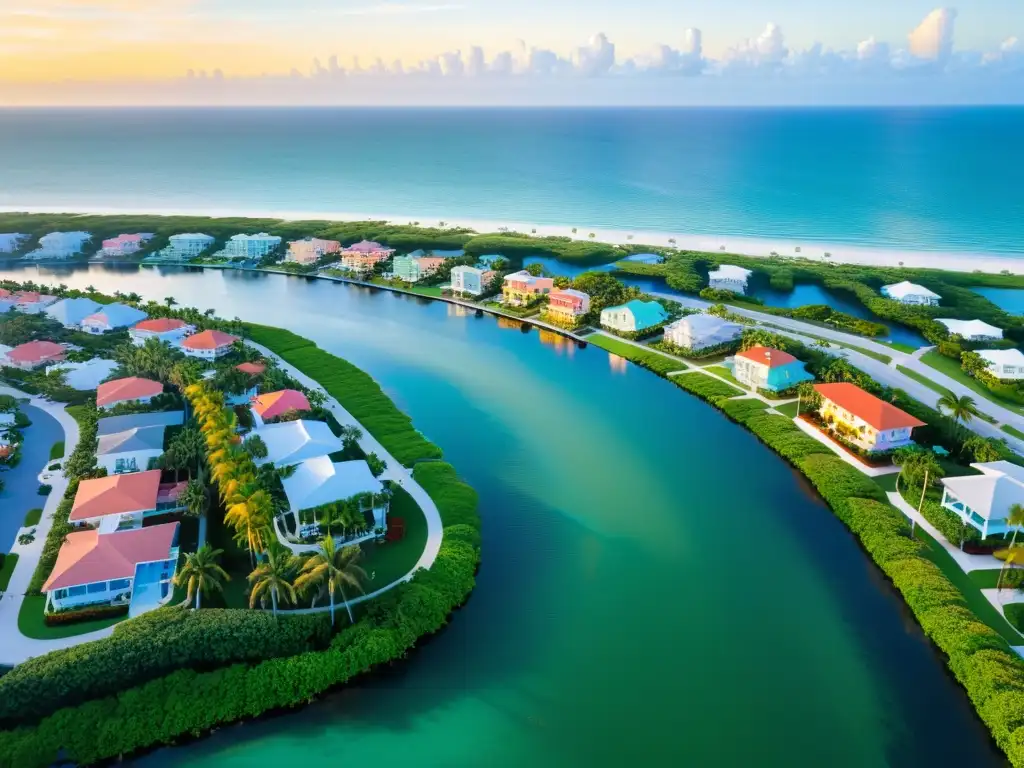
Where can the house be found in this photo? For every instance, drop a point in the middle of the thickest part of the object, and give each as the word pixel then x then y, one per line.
pixel 125 245
pixel 187 245
pixel 567 306
pixel 29 302
pixel 291 442
pixel 123 501
pixel 412 269
pixel 85 376
pixel 471 280
pixel 111 317
pixel 133 450
pixel 71 312
pixel 972 330
pixel 60 245
pixel 984 501
pixel 208 345
pixel 362 256
pixel 129 390
pixel 111 425
pixel 633 316
pixel 910 293
pixel 863 419
pixel 250 246
pixel 33 354
pixel 521 288
pixel 320 481
pixel 311 249
pixel 271 405
pixel 1004 364
pixel 767 368
pixel 12 241
pixel 169 330
pixel 729 278
pixel 133 567
pixel 701 331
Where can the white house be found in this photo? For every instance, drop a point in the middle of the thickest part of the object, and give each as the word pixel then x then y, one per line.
pixel 471 280
pixel 729 278
pixel 60 245
pixel 320 481
pixel 633 316
pixel 701 331
pixel 250 246
pixel 292 442
pixel 910 293
pixel 984 501
pixel 12 241
pixel 1006 364
pixel 187 245
pixel 71 312
pixel 972 330
pixel 131 450
pixel 87 375
pixel 111 317
pixel 208 345
pixel 169 330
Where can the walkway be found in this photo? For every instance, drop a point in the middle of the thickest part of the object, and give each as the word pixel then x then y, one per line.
pixel 395 472
pixel 838 450
pixel 966 562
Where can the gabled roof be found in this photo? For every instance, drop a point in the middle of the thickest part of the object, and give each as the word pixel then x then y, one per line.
pixel 1002 356
pixel 990 494
pixel 319 481
pixel 136 439
pixel 116 494
pixel 116 316
pixel 972 328
pixel 210 339
pixel 773 358
pixel 701 323
pixel 293 441
pixel 35 351
pixel 131 388
pixel 113 424
pixel 72 311
pixel 875 412
pixel 571 293
pixel 90 556
pixel 906 288
pixel 160 324
pixel 367 246
pixel 270 405
pixel 253 369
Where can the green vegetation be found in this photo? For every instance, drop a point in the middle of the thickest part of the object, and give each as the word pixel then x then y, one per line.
pixel 899 346
pixel 705 386
pixel 788 409
pixel 389 562
pixel 57 450
pixel 1010 430
pixel 32 623
pixel 7 565
pixel 1015 615
pixel 952 369
pixel 985 579
pixel 922 379
pixel 32 517
pixel 723 372
pixel 660 364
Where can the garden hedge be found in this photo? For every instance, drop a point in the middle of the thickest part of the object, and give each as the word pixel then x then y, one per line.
pixel 652 361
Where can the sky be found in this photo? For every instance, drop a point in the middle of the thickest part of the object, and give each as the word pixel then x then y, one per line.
pixel 544 52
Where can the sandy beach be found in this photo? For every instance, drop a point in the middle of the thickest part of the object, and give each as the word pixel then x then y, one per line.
pixel 817 251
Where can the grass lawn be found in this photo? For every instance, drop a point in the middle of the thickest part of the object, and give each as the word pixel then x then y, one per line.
pixel 900 346
pixel 658 362
pixel 952 369
pixel 32 517
pixel 77 412
pixel 937 388
pixel 6 570
pixel 789 409
pixel 1012 431
pixel 723 372
pixel 57 450
pixel 30 622
pixel 886 482
pixel 876 355
pixel 986 579
pixel 391 560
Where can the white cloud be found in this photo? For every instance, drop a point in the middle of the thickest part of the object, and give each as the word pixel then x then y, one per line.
pixel 766 50
pixel 872 50
pixel 932 40
pixel 596 58
pixel 687 60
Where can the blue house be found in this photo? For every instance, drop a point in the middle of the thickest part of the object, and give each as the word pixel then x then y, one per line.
pixel 766 368
pixel 633 316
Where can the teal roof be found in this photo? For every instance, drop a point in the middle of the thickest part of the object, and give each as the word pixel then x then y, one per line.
pixel 646 313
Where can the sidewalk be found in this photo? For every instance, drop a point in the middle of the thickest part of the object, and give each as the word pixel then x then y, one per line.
pixel 966 562
pixel 846 456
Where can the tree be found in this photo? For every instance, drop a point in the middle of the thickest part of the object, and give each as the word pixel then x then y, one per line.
pixel 979 449
pixel 962 408
pixel 1016 519
pixel 201 573
pixel 271 576
pixel 256 447
pixel 376 463
pixel 331 570
pixel 195 498
pixel 536 269
pixel 170 301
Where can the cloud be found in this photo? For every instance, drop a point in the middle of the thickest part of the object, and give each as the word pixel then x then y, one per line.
pixel 932 40
pixel 595 58
pixel 766 50
pixel 664 59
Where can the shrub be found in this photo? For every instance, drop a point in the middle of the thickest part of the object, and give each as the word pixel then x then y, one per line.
pixel 44 489
pixel 652 361
pixel 91 613
pixel 837 481
pixel 706 387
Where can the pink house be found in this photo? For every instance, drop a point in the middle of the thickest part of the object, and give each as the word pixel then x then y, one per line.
pixel 567 305
pixel 362 256
pixel 124 245
pixel 310 249
pixel 33 354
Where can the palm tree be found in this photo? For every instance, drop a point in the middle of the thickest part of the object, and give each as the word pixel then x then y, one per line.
pixel 331 569
pixel 170 301
pixel 962 408
pixel 202 573
pixel 195 498
pixel 271 577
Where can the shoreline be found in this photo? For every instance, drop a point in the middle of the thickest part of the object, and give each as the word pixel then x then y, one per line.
pixel 840 253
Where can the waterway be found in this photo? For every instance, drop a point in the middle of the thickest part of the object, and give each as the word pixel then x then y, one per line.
pixel 1009 299
pixel 21 487
pixel 657 587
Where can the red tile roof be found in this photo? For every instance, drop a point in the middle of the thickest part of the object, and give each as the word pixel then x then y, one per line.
pixel 253 369
pixel 35 351
pixel 875 412
pixel 116 494
pixel 209 340
pixel 270 405
pixel 131 388
pixel 773 358
pixel 89 556
pixel 160 324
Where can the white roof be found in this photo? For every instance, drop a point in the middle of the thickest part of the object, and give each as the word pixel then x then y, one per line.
pixel 290 442
pixel 87 375
pixel 900 290
pixel 121 315
pixel 72 311
pixel 730 272
pixel 463 268
pixel 575 293
pixel 991 494
pixel 702 323
pixel 191 236
pixel 972 328
pixel 320 481
pixel 7 418
pixel 1002 357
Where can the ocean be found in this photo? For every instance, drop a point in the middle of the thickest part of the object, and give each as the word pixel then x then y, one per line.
pixel 900 179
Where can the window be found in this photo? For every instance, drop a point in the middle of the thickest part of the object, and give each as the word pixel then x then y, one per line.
pixel 119 584
pixel 76 591
pixel 96 588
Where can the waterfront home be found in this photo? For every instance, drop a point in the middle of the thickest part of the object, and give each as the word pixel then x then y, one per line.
pixel 110 425
pixel 272 405
pixel 364 255
pixel 292 442
pixel 208 345
pixel 1004 364
pixel 185 246
pixel 412 269
pixel 320 481
pixel 29 302
pixel 567 306
pixel 60 245
pixel 132 389
pixel 984 501
pixel 12 241
pixel 910 293
pixel 701 331
pixel 33 354
pixel 123 501
pixel 133 450
pixel 471 280
pixel 87 375
pixel 111 317
pixel 767 368
pixel 125 245
pixel 633 316
pixel 169 330
pixel 863 419
pixel 309 250
pixel 972 330
pixel 521 288
pixel 250 246
pixel 132 567
pixel 71 312
pixel 729 278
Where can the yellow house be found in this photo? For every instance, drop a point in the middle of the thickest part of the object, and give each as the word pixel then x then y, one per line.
pixel 521 288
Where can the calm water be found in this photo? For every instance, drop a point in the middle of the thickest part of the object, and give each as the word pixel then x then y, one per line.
pixel 615 621
pixel 1010 299
pixel 20 493
pixel 896 178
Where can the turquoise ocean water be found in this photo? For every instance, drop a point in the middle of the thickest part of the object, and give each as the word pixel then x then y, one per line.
pixel 929 179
